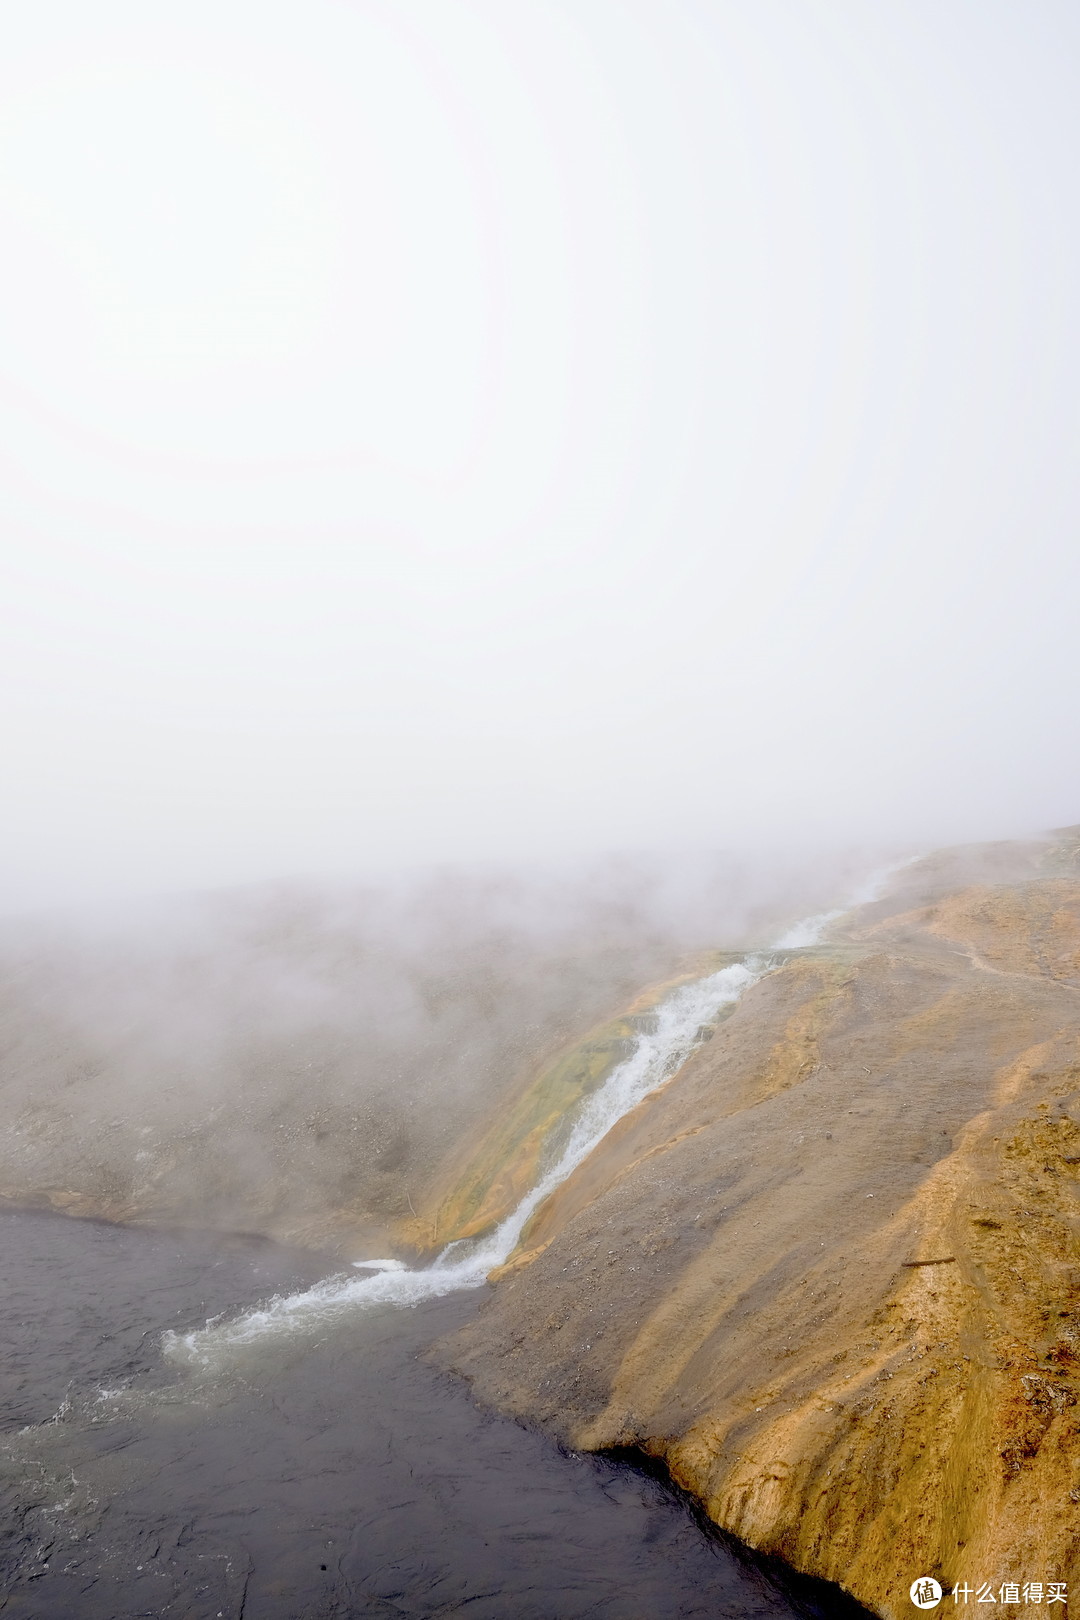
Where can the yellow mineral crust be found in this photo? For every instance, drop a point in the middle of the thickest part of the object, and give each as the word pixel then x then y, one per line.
pixel 831 1273
pixel 489 1177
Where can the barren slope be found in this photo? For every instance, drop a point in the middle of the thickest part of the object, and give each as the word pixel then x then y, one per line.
pixel 831 1272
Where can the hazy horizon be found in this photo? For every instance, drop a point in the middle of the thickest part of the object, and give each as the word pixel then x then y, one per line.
pixel 472 432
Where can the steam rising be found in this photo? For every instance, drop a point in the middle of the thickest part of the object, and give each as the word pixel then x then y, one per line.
pixel 304 1062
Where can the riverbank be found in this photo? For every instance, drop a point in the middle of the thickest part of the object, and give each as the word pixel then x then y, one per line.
pixel 736 1281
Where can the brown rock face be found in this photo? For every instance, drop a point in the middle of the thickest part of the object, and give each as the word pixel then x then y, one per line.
pixel 830 1273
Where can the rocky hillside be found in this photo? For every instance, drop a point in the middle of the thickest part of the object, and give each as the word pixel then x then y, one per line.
pixel 830 1273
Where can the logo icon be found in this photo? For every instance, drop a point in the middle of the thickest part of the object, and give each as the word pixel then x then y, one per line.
pixel 925 1592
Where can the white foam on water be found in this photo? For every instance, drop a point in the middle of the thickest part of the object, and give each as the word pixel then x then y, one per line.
pixel 678 1022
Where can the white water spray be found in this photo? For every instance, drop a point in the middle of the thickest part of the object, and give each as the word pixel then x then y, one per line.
pixel 679 1024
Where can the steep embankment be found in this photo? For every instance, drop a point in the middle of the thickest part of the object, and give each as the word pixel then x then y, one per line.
pixel 831 1274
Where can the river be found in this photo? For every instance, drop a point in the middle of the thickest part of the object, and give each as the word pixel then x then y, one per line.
pixel 333 1477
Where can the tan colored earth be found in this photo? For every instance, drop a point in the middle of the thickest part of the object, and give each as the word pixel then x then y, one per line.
pixel 830 1273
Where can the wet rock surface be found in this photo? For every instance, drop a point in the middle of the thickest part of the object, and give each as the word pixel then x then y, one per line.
pixel 830 1274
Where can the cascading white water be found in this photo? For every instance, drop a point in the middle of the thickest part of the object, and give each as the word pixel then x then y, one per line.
pixel 658 1053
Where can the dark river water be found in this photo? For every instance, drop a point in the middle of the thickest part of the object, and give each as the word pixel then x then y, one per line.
pixel 341 1476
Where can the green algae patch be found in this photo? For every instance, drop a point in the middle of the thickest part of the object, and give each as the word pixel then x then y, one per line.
pixel 511 1155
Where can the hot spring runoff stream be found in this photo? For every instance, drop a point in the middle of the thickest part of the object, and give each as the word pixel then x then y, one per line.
pixel 203 1427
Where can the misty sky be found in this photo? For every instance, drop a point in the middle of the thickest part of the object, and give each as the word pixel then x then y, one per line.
pixel 457 428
